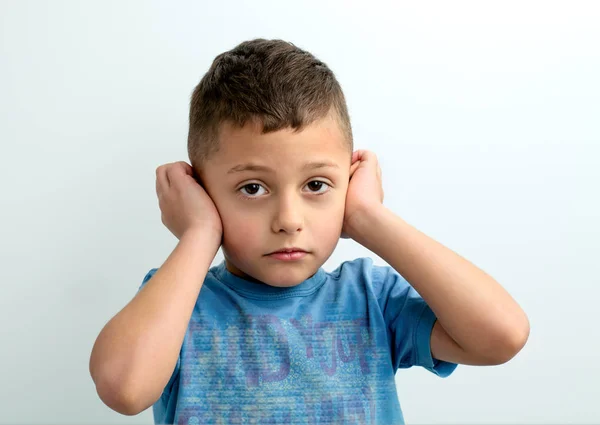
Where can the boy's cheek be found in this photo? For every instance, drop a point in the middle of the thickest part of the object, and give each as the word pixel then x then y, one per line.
pixel 239 230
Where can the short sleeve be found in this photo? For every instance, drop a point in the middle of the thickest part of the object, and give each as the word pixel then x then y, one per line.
pixel 147 278
pixel 175 375
pixel 410 322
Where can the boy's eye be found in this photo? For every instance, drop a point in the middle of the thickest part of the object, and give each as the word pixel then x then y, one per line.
pixel 317 186
pixel 252 189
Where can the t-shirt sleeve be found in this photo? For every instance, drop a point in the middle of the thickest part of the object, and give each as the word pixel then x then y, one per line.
pixel 147 277
pixel 410 322
pixel 175 374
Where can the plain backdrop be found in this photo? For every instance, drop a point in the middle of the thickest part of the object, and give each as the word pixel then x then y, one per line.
pixel 485 117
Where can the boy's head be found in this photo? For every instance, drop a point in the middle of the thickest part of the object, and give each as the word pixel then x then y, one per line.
pixel 270 138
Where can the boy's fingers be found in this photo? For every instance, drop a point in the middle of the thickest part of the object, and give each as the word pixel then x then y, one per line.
pixel 179 170
pixel 175 171
pixel 353 168
pixel 167 174
pixel 367 157
pixel 162 181
pixel 187 168
pixel 191 173
pixel 364 155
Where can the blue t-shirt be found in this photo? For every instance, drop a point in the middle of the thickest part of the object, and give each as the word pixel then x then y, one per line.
pixel 323 352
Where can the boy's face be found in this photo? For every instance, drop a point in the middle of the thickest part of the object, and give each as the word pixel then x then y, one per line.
pixel 278 191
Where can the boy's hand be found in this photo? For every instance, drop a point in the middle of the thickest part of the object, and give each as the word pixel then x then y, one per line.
pixel 365 190
pixel 184 204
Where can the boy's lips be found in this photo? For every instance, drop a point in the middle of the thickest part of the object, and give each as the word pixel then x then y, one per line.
pixel 287 250
pixel 288 254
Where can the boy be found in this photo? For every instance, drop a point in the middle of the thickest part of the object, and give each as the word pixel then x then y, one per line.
pixel 268 336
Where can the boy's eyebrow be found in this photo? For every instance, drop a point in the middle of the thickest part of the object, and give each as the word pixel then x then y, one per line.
pixel 248 167
pixel 257 167
pixel 321 164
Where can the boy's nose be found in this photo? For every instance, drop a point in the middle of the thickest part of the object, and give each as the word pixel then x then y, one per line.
pixel 288 217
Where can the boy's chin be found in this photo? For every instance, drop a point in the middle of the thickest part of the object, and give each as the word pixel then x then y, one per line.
pixel 283 276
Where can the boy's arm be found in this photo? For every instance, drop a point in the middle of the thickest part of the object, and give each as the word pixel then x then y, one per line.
pixel 478 322
pixel 135 354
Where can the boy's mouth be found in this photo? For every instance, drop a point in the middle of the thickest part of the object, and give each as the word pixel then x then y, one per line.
pixel 288 254
pixel 287 250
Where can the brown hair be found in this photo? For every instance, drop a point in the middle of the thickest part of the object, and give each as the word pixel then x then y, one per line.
pixel 269 81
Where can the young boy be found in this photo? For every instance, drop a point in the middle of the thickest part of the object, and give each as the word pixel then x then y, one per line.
pixel 269 337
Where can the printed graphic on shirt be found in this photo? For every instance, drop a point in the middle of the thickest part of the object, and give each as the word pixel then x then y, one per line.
pixel 266 370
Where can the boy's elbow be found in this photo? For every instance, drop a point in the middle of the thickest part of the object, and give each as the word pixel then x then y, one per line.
pixel 120 398
pixel 118 389
pixel 511 343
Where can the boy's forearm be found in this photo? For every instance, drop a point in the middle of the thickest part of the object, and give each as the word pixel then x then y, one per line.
pixel 474 310
pixel 135 354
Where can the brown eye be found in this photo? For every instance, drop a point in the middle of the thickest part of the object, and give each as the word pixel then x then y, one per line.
pixel 252 189
pixel 317 186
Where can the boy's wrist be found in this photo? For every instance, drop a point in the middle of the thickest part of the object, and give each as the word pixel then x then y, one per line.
pixel 204 235
pixel 362 223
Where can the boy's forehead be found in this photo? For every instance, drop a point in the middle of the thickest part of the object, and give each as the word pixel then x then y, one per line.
pixel 322 141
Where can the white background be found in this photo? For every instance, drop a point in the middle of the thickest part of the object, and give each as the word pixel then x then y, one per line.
pixel 485 116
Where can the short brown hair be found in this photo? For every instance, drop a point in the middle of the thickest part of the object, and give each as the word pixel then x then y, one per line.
pixel 269 81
